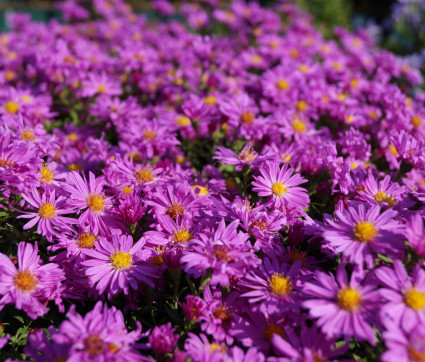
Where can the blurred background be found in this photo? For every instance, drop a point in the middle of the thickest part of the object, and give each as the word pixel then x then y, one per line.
pixel 397 25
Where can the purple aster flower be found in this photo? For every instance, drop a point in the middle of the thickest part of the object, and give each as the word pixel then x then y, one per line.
pixel 100 335
pixel 32 285
pixel 404 295
pixel 49 213
pixel 198 348
pixel 163 339
pixel 193 307
pixel 273 287
pixel 247 156
pixel 116 265
pixel 343 307
pixel 226 252
pixel 361 231
pixel 281 185
pixel 384 193
pixel 89 196
pixel 415 234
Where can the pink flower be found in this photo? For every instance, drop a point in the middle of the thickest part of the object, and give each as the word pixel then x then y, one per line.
pixel 32 285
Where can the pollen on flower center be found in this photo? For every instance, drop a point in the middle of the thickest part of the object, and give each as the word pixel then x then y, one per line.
pixel 11 107
pixel 175 210
pixel 144 175
pixel 95 203
pixel 415 299
pixel 381 197
pixel 247 156
pixel 280 285
pixel 46 175
pixel 220 252
pixel 279 189
pixel 183 121
pixel 247 117
pixel 86 240
pixel 415 355
pixel 182 235
pixel 271 330
pixel 25 281
pixel 27 135
pixel 364 231
pixel 282 85
pixel 200 190
pixel 101 89
pixel 93 345
pixel 47 210
pixel 299 127
pixel 121 260
pixel 149 135
pixel 7 163
pixel 223 313
pixel 349 299
pixel 217 347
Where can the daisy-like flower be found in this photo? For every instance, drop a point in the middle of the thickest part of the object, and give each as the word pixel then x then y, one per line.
pixel 273 287
pixel 415 234
pixel 117 265
pixel 361 231
pixel 343 307
pixel 89 196
pixel 32 285
pixel 405 296
pixel 383 193
pixel 280 185
pixel 226 252
pixel 49 213
pixel 101 335
pixel 248 156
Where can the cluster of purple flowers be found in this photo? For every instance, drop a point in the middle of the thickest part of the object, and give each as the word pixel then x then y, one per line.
pixel 252 194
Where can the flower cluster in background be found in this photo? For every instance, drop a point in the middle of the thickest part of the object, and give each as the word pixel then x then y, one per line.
pixel 231 188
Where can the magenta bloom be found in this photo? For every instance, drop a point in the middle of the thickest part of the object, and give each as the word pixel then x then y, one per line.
pixel 163 339
pixel 274 287
pixel 405 296
pixel 248 156
pixel 101 335
pixel 32 285
pixel 343 307
pixel 48 215
pixel 281 185
pixel 361 232
pixel 226 252
pixel 116 265
pixel 89 196
pixel 415 234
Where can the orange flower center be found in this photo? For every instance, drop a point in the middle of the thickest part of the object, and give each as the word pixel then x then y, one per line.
pixel 25 281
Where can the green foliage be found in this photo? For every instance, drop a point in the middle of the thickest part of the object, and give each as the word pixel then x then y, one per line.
pixel 329 13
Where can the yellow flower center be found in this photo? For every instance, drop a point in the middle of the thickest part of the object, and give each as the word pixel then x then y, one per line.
pixel 9 75
pixel 303 68
pixel 144 175
pixel 86 240
pixel 95 203
pixel 113 347
pixel 279 188
pixel 256 59
pixel 415 299
pixel 301 106
pixel 46 175
pixel 282 84
pixel 175 210
pixel 149 135
pixel 27 135
pixel 136 157
pixel 416 121
pixel 25 281
pixel 415 355
pixel 200 190
pixel 121 260
pixel 354 82
pixel 210 101
pixel 183 121
pixel 72 136
pixel 7 163
pixel 381 197
pixel 365 231
pixel 220 252
pixel 47 210
pixel 271 330
pixel 299 126
pixel 74 167
pixel 127 190
pixel 286 157
pixel 182 236
pixel 217 347
pixel 247 117
pixel 11 107
pixel 393 150
pixel 247 155
pixel 280 285
pixel 101 89
pixel 223 313
pixel 349 299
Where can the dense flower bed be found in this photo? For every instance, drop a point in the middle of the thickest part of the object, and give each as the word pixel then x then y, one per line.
pixel 234 187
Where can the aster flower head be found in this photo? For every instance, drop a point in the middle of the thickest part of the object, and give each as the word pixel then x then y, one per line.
pixel 32 285
pixel 248 156
pixel 114 266
pixel 281 186
pixel 415 234
pixel 90 198
pixel 163 339
pixel 342 306
pixel 361 231
pixel 404 295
